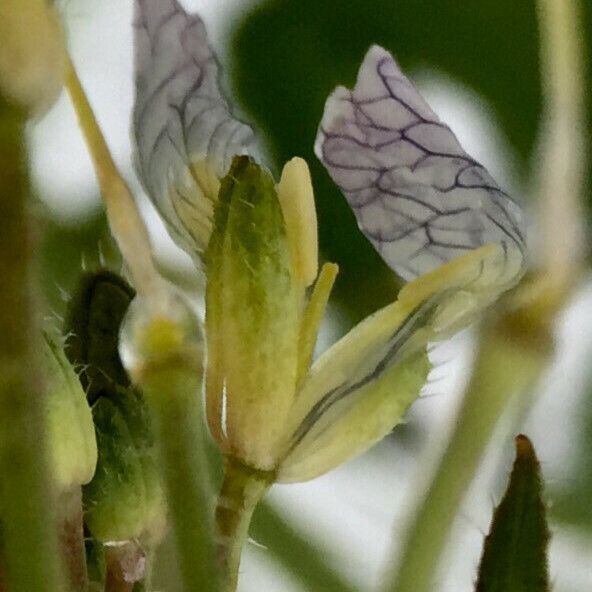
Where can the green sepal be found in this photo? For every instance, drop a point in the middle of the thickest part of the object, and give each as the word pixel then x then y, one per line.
pixel 252 316
pixel 71 438
pixel 515 551
pixel 95 311
pixel 125 499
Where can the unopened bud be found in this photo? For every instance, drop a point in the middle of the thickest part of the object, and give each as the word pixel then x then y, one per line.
pixel 32 60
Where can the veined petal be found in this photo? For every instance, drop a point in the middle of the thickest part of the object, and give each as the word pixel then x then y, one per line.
pixel 371 413
pixel 417 195
pixel 358 390
pixel 184 131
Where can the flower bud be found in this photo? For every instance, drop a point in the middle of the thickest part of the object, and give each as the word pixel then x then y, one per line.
pixel 32 60
pixel 124 500
pixel 94 314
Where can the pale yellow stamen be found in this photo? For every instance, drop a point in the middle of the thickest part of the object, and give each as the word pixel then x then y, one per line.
pixel 313 315
pixel 298 208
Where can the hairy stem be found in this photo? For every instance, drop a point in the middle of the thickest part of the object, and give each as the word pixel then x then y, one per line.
pixel 27 500
pixel 241 491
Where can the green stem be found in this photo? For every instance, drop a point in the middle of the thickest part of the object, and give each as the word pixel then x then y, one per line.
pixel 292 549
pixel 172 391
pixel 28 521
pixel 241 491
pixel 507 365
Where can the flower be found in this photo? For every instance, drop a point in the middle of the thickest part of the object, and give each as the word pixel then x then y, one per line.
pixel 432 212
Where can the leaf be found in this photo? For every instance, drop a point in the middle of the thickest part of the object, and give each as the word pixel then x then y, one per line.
pixel 515 551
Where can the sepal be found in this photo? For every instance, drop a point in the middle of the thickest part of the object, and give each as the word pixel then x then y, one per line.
pixel 71 437
pixel 252 317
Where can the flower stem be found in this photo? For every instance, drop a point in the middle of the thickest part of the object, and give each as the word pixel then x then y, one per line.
pixel 241 491
pixel 562 158
pixel 172 393
pixel 124 217
pixel 512 353
pixel 26 495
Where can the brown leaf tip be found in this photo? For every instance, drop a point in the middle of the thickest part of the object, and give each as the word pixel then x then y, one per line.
pixel 524 446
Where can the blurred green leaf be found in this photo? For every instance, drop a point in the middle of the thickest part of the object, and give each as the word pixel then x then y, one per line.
pixel 295 552
pixel 571 499
pixel 515 551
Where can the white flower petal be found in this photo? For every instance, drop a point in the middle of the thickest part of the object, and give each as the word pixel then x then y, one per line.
pixel 184 131
pixel 418 196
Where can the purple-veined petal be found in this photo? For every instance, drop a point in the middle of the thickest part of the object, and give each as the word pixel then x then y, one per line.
pixel 358 390
pixel 417 195
pixel 184 132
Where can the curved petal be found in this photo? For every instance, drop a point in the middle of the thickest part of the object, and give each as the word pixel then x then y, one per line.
pixel 418 196
pixel 358 390
pixel 184 131
pixel 371 413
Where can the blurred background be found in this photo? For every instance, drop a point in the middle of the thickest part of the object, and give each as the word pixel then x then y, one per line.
pixel 477 63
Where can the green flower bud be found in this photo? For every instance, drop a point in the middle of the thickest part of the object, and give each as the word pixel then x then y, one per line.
pixel 124 500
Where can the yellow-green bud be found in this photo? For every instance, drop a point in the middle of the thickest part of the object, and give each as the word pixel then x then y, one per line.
pixel 71 437
pixel 33 56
